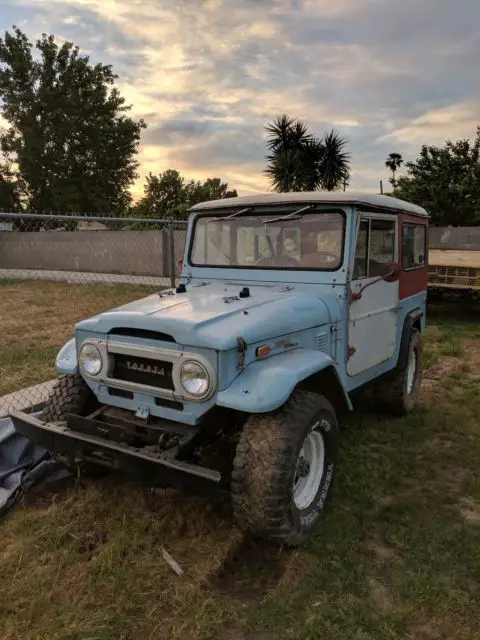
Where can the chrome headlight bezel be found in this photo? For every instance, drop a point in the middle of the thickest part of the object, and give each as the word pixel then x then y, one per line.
pixel 97 354
pixel 208 378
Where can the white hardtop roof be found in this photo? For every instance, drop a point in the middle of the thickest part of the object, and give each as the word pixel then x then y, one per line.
pixel 321 197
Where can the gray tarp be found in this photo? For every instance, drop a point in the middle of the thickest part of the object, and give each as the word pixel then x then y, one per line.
pixel 22 464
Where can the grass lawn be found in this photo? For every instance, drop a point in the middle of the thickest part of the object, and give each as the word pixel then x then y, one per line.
pixel 37 318
pixel 398 556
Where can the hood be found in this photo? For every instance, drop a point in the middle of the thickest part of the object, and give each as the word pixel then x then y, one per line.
pixel 214 316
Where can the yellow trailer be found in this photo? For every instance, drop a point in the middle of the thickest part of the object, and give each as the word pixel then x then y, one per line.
pixel 454 269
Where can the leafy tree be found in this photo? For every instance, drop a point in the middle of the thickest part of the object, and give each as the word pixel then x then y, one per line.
pixel 69 132
pixel 211 189
pixel 298 161
pixel 446 181
pixel 168 196
pixel 10 200
pixel 393 162
pixel 164 196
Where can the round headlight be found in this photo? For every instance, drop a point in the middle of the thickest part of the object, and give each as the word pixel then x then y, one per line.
pixel 194 378
pixel 91 359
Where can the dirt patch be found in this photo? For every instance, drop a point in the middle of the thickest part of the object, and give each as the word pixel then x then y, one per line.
pixel 380 596
pixel 436 374
pixel 380 550
pixel 472 356
pixel 235 634
pixel 454 478
pixel 438 629
pixel 298 564
pixel 250 570
pixel 470 511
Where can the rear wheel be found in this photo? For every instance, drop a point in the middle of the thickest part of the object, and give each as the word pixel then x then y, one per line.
pixel 284 469
pixel 399 394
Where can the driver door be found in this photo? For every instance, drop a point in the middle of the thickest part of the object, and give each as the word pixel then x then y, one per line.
pixel 372 329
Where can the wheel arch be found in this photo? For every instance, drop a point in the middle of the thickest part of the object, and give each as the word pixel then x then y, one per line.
pixel 266 385
pixel 413 321
pixel 327 383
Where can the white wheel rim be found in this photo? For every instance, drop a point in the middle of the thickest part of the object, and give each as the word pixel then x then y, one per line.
pixel 309 469
pixel 412 370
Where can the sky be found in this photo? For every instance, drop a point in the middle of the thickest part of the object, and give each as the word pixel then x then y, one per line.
pixel 207 75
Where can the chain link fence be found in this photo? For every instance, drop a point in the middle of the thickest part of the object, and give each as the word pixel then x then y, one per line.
pixel 58 269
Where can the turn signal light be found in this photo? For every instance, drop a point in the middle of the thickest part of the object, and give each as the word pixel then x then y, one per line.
pixel 262 351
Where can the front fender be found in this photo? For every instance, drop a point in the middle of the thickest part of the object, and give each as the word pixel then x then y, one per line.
pixel 67 358
pixel 265 385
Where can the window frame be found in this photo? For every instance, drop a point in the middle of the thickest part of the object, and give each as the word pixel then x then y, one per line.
pixel 368 217
pixel 424 227
pixel 269 212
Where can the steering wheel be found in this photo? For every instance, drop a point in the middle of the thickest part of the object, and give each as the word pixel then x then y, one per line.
pixel 279 262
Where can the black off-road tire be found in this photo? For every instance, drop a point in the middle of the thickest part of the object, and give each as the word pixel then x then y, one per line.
pixel 265 468
pixel 393 395
pixel 70 394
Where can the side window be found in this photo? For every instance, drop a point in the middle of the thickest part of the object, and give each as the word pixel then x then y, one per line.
pixel 375 247
pixel 382 245
pixel 361 252
pixel 414 243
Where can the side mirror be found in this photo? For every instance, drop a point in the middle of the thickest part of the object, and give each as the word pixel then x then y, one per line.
pixel 390 272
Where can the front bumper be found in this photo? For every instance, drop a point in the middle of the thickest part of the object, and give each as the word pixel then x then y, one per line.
pixel 88 442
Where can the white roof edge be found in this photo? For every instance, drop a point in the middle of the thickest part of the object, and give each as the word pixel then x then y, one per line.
pixel 351 198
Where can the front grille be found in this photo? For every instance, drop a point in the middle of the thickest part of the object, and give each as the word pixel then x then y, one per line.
pixel 453 275
pixel 155 373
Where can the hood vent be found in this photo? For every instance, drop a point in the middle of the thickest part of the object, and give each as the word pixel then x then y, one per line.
pixel 141 333
pixel 321 342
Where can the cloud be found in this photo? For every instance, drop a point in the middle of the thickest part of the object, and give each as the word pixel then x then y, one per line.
pixel 454 122
pixel 207 75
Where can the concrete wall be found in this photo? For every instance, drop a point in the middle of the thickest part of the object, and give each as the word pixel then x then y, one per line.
pixel 124 252
pixel 454 238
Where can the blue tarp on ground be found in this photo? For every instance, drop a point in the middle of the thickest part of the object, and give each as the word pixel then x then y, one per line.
pixel 22 464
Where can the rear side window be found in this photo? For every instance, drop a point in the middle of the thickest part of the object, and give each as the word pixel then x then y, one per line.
pixel 414 246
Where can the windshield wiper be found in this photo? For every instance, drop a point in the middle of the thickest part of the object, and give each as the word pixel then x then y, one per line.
pixel 289 216
pixel 232 215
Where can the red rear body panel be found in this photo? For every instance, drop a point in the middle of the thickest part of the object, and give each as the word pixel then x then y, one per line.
pixel 413 281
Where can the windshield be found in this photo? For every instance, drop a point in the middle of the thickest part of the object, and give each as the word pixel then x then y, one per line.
pixel 309 241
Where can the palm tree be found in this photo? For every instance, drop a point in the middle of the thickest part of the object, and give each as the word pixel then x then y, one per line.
pixel 394 162
pixel 288 140
pixel 298 161
pixel 335 162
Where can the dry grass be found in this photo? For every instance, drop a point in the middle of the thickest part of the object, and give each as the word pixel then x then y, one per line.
pixel 37 318
pixel 397 557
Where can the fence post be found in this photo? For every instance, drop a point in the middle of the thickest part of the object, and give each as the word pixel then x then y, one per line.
pixel 171 252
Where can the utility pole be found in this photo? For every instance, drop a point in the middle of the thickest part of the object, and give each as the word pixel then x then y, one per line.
pixel 381 187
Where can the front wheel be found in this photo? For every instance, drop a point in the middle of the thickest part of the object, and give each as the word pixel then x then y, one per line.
pixel 284 468
pixel 70 394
